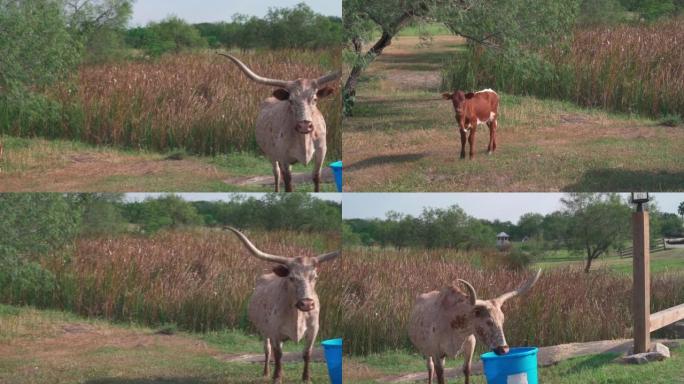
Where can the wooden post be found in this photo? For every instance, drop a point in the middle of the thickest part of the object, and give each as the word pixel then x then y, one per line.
pixel 641 290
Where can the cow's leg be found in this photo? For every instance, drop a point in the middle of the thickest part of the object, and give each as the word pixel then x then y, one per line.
pixel 468 348
pixel 439 370
pixel 310 337
pixel 318 165
pixel 471 141
pixel 286 169
pixel 267 353
pixel 276 175
pixel 431 369
pixel 492 130
pixel 463 141
pixel 277 346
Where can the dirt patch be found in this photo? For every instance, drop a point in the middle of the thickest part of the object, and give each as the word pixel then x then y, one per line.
pixel 297 178
pixel 82 339
pixel 288 357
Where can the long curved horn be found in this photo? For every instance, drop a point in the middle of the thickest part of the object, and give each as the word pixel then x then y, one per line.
pixel 523 288
pixel 471 291
pixel 328 78
pixel 255 251
pixel 254 76
pixel 327 256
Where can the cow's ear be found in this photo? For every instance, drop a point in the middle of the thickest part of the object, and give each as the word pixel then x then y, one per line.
pixel 447 96
pixel 281 270
pixel 469 95
pixel 281 94
pixel 325 92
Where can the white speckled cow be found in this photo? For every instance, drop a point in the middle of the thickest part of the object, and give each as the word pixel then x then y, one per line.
pixel 290 129
pixel 284 305
pixel 444 323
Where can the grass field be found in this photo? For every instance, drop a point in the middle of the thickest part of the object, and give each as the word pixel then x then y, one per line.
pixel 39 346
pixel 42 165
pixel 668 261
pixel 403 137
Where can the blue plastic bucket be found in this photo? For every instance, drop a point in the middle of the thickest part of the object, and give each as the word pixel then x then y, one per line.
pixel 333 359
pixel 518 366
pixel 337 172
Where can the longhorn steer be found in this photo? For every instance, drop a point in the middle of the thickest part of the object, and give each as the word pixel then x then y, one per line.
pixel 290 128
pixel 473 109
pixel 445 322
pixel 284 304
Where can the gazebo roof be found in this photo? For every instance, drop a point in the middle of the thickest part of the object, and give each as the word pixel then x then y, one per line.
pixel 502 234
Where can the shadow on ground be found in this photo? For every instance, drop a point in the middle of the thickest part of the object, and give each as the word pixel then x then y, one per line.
pixel 379 160
pixel 611 180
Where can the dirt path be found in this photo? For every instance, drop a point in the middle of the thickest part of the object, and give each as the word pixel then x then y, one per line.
pixel 403 137
pixel 546 356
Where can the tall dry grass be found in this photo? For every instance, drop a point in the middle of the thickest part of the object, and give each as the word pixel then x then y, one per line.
pixel 627 68
pixel 566 305
pixel 202 280
pixel 198 102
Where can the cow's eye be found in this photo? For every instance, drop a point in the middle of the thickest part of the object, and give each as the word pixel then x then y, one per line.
pixel 291 278
pixel 490 323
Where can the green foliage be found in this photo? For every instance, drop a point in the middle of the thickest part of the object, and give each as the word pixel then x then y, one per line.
pixel 434 228
pixel 671 120
pixel 297 27
pixel 36 48
pixel 101 213
pixel 100 26
pixel 593 12
pixel 671 225
pixel 30 225
pixel 298 211
pixel 169 35
pixel 599 222
pixel 37 223
pixel 169 211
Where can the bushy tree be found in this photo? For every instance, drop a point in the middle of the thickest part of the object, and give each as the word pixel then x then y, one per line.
pixel 501 24
pixel 32 224
pixel 598 223
pixel 36 48
pixel 100 25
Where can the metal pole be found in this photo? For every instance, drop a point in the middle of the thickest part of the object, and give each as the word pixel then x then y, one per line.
pixel 642 284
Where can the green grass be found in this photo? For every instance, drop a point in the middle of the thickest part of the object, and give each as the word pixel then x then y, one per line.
pixel 34 348
pixel 668 261
pixel 75 166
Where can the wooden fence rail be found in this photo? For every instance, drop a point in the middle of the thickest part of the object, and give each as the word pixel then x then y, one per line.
pixel 657 246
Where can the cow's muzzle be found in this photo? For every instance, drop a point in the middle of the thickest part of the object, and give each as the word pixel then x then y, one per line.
pixel 305 305
pixel 501 350
pixel 304 127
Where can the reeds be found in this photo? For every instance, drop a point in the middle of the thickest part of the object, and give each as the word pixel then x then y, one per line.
pixel 198 102
pixel 202 280
pixel 628 68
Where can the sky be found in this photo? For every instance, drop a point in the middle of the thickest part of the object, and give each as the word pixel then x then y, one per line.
pixel 197 11
pixel 490 206
pixel 337 197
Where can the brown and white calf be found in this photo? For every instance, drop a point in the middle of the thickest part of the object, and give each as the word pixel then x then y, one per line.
pixel 284 305
pixel 444 323
pixel 290 128
pixel 473 109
